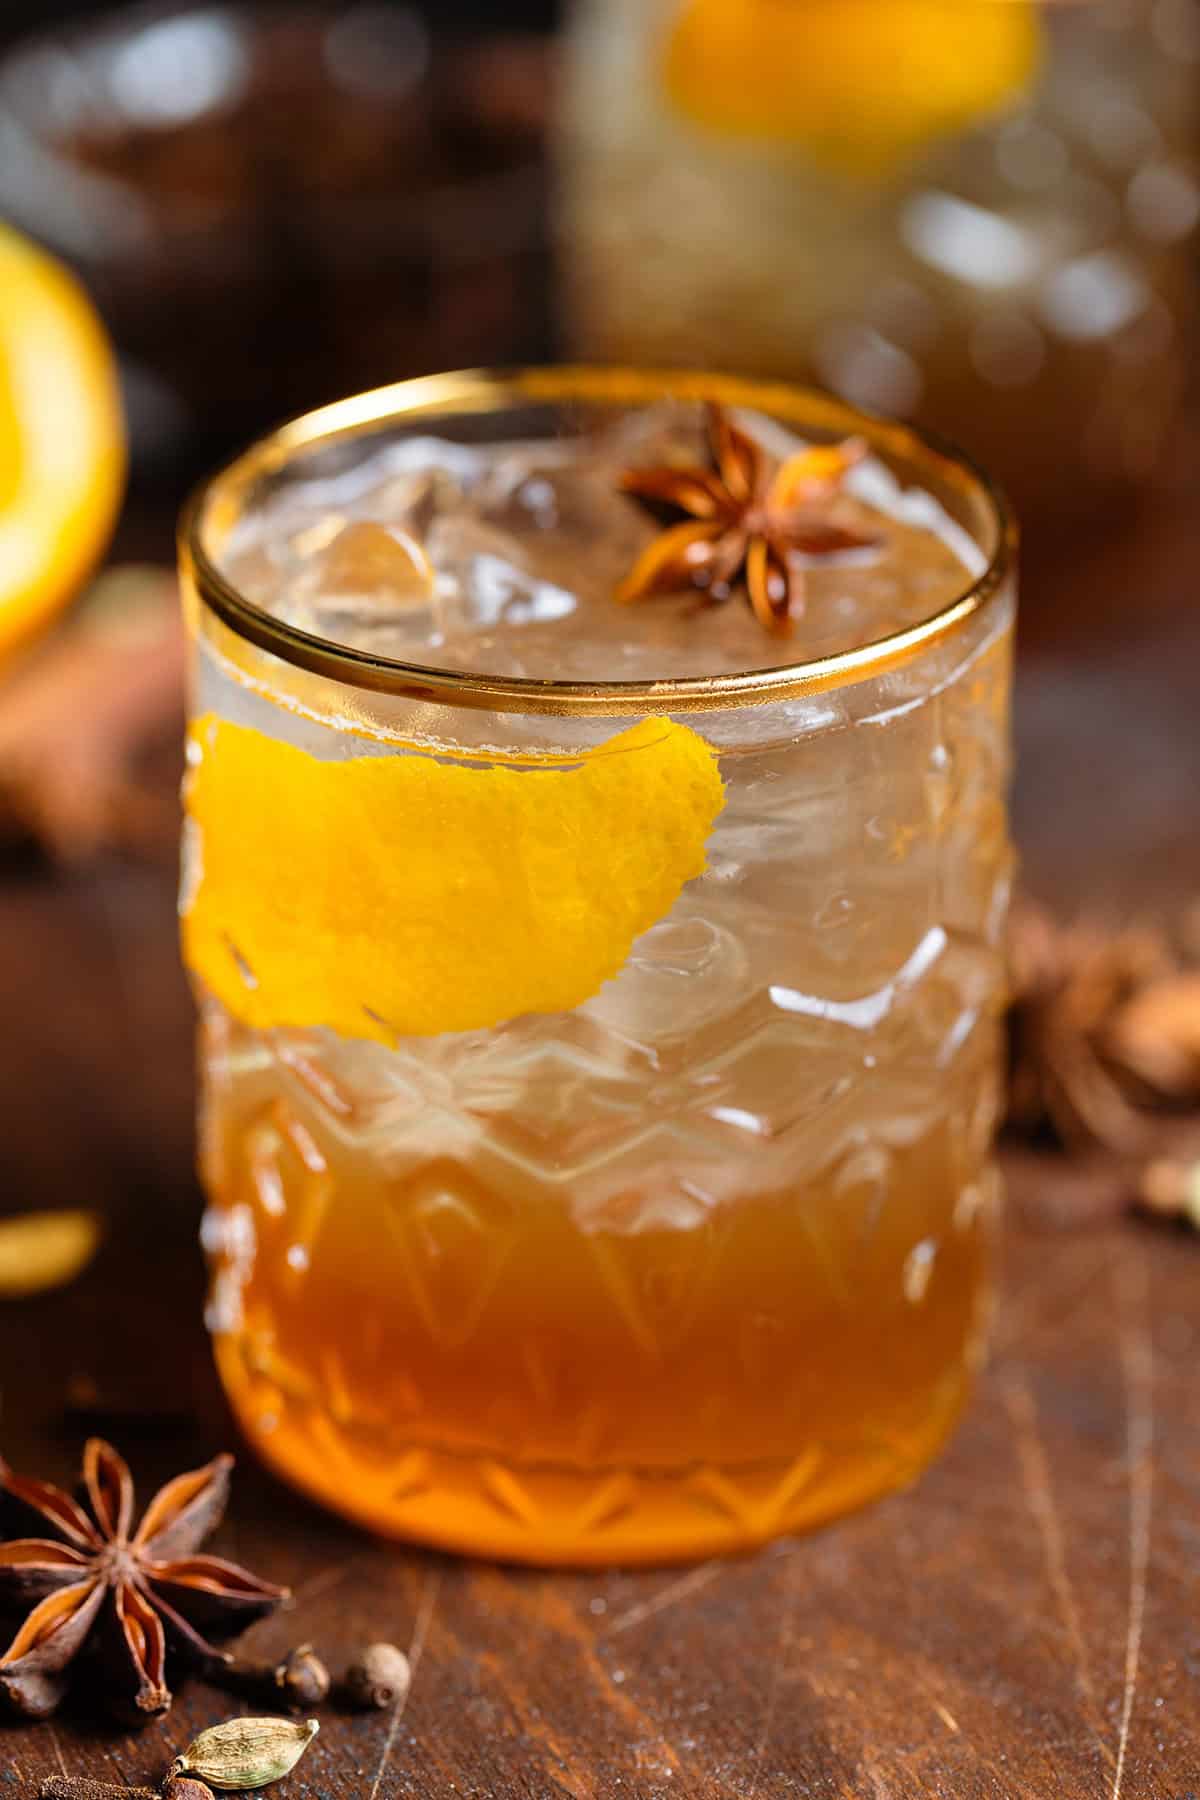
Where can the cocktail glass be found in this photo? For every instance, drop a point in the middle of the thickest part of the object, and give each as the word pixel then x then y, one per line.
pixel 700 1256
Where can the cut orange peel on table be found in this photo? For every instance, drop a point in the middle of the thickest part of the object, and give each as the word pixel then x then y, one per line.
pixel 402 894
pixel 62 440
pixel 861 86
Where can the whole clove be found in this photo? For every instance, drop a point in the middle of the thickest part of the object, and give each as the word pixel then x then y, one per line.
pixel 379 1676
pixel 299 1680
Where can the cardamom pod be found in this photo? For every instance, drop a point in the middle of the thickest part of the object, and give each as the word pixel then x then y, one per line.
pixel 246 1753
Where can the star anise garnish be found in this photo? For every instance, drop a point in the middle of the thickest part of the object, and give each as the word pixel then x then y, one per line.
pixel 749 515
pixel 91 1583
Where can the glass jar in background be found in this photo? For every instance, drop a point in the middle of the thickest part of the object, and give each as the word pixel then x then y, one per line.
pixel 977 213
pixel 276 204
pixel 645 1268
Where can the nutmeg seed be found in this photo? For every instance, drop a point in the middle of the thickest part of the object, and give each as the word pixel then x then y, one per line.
pixel 379 1676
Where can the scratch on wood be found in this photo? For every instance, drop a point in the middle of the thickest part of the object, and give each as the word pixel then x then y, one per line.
pixel 324 1579
pixel 947 1718
pixel 53 1736
pixel 1039 1491
pixel 555 1610
pixel 58 1748
pixel 668 1596
pixel 124 1780
pixel 879 1787
pixel 533 1726
pixel 1136 1348
pixel 786 1614
pixel 164 1732
pixel 1047 1308
pixel 421 1625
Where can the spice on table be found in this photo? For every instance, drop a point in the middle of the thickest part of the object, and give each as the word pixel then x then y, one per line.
pixel 185 1787
pixel 44 1250
pixel 246 1753
pixel 747 516
pixel 379 1676
pixel 302 1678
pixel 1170 1187
pixel 1104 1051
pixel 1155 1037
pixel 1104 1033
pixel 299 1679
pixel 90 724
pixel 89 1579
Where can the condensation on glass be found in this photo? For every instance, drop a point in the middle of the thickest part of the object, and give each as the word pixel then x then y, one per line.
pixel 704 1260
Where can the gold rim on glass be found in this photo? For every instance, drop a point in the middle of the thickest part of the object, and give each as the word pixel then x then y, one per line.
pixel 220 502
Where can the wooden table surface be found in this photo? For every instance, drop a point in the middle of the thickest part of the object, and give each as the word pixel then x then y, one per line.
pixel 1024 1622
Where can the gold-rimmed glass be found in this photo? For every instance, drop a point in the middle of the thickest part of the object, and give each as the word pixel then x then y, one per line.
pixel 704 1258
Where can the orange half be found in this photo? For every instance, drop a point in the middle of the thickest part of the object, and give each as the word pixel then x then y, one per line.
pixel 862 86
pixel 62 439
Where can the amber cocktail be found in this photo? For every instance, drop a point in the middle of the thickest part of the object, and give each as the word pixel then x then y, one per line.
pixel 599 1002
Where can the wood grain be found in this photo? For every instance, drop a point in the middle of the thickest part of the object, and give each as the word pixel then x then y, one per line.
pixel 1024 1622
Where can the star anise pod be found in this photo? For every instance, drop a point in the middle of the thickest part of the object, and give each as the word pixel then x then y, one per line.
pixel 92 1583
pixel 90 725
pixel 1104 1034
pixel 749 516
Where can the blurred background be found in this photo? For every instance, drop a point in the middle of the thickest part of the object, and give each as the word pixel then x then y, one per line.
pixel 979 214
pixel 273 204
